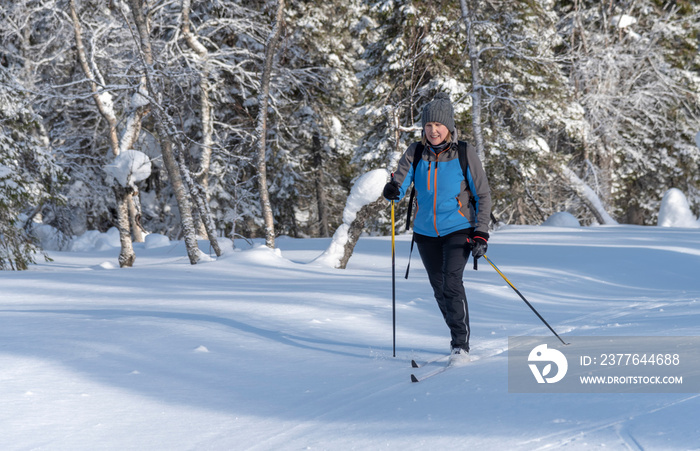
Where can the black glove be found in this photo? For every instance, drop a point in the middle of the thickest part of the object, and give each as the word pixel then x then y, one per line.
pixel 479 244
pixel 391 190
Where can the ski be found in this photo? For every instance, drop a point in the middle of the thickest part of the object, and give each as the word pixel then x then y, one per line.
pixel 415 364
pixel 435 372
pixel 442 369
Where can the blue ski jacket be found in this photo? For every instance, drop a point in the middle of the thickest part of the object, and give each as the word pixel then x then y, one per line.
pixel 443 192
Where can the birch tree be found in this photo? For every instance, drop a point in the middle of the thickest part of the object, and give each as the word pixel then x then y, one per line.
pixel 261 129
pixel 166 133
pixel 205 107
pixel 103 100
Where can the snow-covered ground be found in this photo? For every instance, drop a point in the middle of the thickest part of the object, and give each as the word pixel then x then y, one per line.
pixel 264 349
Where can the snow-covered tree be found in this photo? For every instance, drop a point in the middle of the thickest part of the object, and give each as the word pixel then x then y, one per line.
pixel 634 68
pixel 29 176
pixel 586 106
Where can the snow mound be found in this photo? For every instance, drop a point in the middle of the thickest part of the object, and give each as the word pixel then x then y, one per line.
pixel 263 255
pixel 105 265
pixel 331 256
pixel 675 211
pixel 204 257
pixel 562 219
pixel 93 240
pixel 154 240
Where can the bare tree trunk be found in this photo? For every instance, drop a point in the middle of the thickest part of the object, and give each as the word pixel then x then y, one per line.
pixel 469 18
pixel 133 204
pixel 321 202
pixel 200 199
pixel 166 131
pixel 202 174
pixel 261 129
pixel 586 194
pixel 183 202
pixel 122 196
pixel 356 227
pixel 126 142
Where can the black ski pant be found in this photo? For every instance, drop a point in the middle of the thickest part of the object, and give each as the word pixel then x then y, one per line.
pixel 444 258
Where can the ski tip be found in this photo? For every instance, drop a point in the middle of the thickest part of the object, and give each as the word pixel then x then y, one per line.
pixel 414 364
pixel 414 378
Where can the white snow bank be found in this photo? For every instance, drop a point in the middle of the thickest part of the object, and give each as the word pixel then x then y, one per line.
pixel 263 256
pixel 366 190
pixel 331 256
pixel 154 240
pixel 93 240
pixel 562 219
pixel 675 211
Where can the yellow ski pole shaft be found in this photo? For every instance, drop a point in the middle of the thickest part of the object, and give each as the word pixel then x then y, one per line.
pixel 523 298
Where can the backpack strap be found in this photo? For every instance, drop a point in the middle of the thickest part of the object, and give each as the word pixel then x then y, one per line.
pixel 464 162
pixel 417 156
pixel 462 152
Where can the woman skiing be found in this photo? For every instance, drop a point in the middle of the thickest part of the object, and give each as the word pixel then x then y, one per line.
pixel 453 208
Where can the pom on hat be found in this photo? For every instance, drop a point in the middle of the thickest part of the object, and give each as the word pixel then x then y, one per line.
pixel 439 110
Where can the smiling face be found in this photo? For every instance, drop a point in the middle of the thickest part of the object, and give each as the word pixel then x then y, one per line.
pixel 435 133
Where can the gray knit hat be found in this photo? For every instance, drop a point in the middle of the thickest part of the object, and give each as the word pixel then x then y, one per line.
pixel 439 110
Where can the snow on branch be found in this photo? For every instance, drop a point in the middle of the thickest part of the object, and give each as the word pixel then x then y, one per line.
pixel 367 189
pixel 129 167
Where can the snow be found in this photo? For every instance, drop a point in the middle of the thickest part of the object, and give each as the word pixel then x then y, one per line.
pixel 140 98
pixel 623 21
pixel 129 167
pixel 367 189
pixel 675 211
pixel 562 219
pixel 585 191
pixel 261 349
pixel 154 240
pixel 107 103
pixel 94 240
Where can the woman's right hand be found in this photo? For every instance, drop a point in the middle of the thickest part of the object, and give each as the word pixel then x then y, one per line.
pixel 391 190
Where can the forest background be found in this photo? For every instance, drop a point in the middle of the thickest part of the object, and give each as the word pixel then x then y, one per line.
pixel 193 118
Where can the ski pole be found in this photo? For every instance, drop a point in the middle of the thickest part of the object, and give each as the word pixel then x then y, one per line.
pixel 393 273
pixel 523 298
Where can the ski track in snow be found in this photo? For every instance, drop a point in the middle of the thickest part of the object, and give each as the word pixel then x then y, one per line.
pixel 620 427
